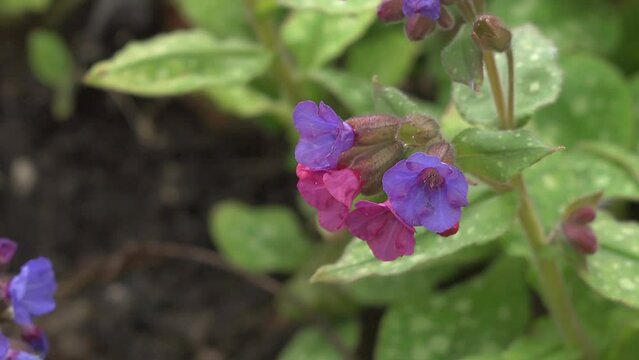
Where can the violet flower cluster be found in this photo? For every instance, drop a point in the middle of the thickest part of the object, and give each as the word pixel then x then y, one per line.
pixel 422 16
pixel 27 295
pixel 339 160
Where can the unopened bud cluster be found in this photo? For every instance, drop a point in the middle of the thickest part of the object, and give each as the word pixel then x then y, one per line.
pixel 405 158
pixel 422 16
pixel 490 34
pixel 23 297
pixel 576 229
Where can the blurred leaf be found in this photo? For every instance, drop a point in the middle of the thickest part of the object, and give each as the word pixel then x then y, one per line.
pixel 481 316
pixel 332 6
pixel 595 104
pixel 242 100
pixel 369 57
pixel 543 342
pixel 537 80
pixel 315 38
pixel 615 154
pixel 50 59
pixel 52 64
pixel 481 223
pixel 221 18
pixel 574 25
pixel 463 60
pixel 452 122
pixel 311 343
pixel 19 7
pixel 392 101
pixel 354 92
pixel 261 239
pixel 634 92
pixel 179 63
pixel 626 56
pixel 613 271
pixel 498 155
pixel 560 179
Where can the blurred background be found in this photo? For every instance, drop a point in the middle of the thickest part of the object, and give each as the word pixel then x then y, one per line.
pixel 118 189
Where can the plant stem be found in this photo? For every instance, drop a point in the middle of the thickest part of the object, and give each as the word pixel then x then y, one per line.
pixel 554 291
pixel 266 32
pixel 510 116
pixel 495 85
pixel 556 296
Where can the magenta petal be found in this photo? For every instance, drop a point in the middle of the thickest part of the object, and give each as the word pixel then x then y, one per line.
pixel 386 234
pixel 333 199
pixel 343 185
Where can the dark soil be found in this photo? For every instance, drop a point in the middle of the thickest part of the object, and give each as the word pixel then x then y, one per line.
pixel 126 170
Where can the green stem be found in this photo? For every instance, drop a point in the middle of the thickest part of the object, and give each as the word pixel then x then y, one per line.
pixel 556 296
pixel 554 291
pixel 495 85
pixel 510 115
pixel 266 32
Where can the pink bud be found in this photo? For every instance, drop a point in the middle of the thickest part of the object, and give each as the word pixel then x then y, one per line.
pixel 8 249
pixel 390 11
pixel 418 27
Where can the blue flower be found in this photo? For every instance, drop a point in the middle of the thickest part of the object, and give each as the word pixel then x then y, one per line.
pixel 323 136
pixel 31 291
pixel 428 8
pixel 21 355
pixel 4 346
pixel 425 191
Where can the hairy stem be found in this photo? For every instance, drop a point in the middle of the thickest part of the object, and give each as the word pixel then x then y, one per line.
pixel 495 85
pixel 554 291
pixel 266 32
pixel 556 296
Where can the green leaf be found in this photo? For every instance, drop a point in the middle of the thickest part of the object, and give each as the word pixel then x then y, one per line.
pixel 543 342
pixel 392 101
pixel 354 92
pixel 634 91
pixel 463 60
pixel 260 239
pixel 479 317
pixel 595 104
pixel 560 179
pixel 52 64
pixel 613 271
pixel 369 57
pixel 221 18
pixel 315 38
pixel 574 25
pixel 50 59
pixel 179 63
pixel 332 6
pixel 498 155
pixel 616 155
pixel 537 80
pixel 481 223
pixel 19 7
pixel 242 100
pixel 452 122
pixel 311 343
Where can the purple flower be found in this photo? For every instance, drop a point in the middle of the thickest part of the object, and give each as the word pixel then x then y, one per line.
pixel 21 355
pixel 4 346
pixel 331 192
pixel 323 136
pixel 8 248
pixel 386 234
pixel 425 191
pixel 428 8
pixel 31 291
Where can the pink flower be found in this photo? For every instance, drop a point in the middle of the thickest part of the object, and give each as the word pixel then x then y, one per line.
pixel 331 192
pixel 386 234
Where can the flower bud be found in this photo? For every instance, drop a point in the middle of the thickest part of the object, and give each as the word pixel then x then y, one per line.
pixel 374 129
pixel 36 338
pixel 490 34
pixel 577 230
pixel 443 150
pixel 419 130
pixel 446 19
pixel 418 27
pixel 390 10
pixel 371 162
pixel 7 250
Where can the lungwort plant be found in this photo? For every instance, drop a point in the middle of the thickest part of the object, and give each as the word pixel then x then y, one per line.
pixel 485 222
